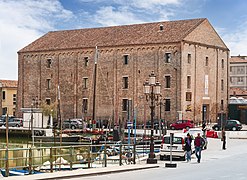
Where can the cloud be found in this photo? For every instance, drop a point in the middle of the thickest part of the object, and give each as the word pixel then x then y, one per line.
pixel 21 22
pixel 134 11
pixel 236 40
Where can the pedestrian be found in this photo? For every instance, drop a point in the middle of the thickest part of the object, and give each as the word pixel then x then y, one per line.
pixel 223 139
pixel 187 147
pixel 199 142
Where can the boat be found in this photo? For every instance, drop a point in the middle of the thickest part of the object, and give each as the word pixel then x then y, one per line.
pixel 18 172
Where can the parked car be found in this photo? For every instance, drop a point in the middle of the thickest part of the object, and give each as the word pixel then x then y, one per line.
pixel 232 124
pixel 194 132
pixel 72 124
pixel 177 147
pixel 181 124
pixel 12 122
pixel 156 124
pixel 15 122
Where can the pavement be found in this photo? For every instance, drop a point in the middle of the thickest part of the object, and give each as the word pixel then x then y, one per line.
pixel 213 152
pixel 85 172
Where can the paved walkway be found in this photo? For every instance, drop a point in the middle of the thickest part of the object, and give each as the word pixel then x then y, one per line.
pixel 85 172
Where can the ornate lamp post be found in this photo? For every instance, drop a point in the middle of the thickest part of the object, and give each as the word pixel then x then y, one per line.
pixel 152 93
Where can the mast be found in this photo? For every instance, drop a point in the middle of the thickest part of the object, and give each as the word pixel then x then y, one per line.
pixel 94 86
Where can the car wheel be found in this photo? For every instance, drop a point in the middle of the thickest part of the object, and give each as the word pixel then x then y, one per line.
pixel 172 128
pixel 234 128
pixel 187 127
pixel 216 128
pixel 73 127
pixel 17 125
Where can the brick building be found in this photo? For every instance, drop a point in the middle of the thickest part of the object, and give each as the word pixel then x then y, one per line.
pixel 187 56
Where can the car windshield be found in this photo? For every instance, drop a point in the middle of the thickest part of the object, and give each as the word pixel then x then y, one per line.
pixel 176 140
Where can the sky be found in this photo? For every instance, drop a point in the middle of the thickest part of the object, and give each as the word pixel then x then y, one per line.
pixel 24 21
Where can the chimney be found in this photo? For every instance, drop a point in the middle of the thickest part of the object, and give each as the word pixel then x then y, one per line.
pixel 161 27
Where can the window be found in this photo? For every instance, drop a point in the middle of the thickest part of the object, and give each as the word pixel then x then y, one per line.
pixel 125 105
pixel 48 82
pixel 125 82
pixel 85 83
pixel 222 63
pixel 222 104
pixel 230 69
pixel 189 58
pixel 188 82
pixel 188 96
pixel 167 104
pixel 4 95
pixel 206 61
pixel 126 59
pixel 84 105
pixel 48 63
pixel 168 57
pixel 222 85
pixel 167 81
pixel 86 61
pixel 14 99
pixel 48 101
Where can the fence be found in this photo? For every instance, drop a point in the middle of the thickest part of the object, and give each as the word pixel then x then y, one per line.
pixel 49 159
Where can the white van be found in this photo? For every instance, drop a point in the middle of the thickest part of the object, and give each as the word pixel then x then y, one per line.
pixel 177 147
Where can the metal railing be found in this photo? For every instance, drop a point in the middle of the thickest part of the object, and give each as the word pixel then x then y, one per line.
pixel 57 158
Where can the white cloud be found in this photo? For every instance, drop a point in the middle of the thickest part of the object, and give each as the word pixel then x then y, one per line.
pixel 21 22
pixel 110 16
pixel 236 41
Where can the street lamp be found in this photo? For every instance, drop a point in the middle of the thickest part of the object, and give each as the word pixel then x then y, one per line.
pixel 1 99
pixel 152 93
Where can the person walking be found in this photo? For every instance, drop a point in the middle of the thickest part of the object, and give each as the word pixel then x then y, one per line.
pixel 199 142
pixel 187 147
pixel 223 139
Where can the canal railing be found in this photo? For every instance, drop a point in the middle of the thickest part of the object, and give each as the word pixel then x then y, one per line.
pixel 58 158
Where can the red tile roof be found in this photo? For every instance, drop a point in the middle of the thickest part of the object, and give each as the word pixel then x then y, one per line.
pixel 9 83
pixel 137 34
pixel 237 92
pixel 237 60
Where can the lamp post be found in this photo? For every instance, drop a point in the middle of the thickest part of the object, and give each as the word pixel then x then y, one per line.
pixel 1 99
pixel 152 93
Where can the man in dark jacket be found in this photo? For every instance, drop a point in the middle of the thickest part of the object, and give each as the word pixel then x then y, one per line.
pixel 187 147
pixel 199 142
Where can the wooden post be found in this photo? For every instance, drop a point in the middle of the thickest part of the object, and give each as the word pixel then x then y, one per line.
pixel 51 165
pixel 88 156
pixel 7 162
pixel 30 160
pixel 134 151
pixel 120 155
pixel 105 159
pixel 71 157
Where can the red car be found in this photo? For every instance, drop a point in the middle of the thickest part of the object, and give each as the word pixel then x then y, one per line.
pixel 181 124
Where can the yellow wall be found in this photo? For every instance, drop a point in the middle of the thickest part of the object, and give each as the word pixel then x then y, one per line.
pixel 8 102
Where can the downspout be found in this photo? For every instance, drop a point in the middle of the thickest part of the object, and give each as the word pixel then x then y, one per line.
pixel 195 87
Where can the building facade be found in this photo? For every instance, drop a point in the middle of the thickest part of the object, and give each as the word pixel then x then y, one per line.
pixel 188 58
pixel 238 72
pixel 8 99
